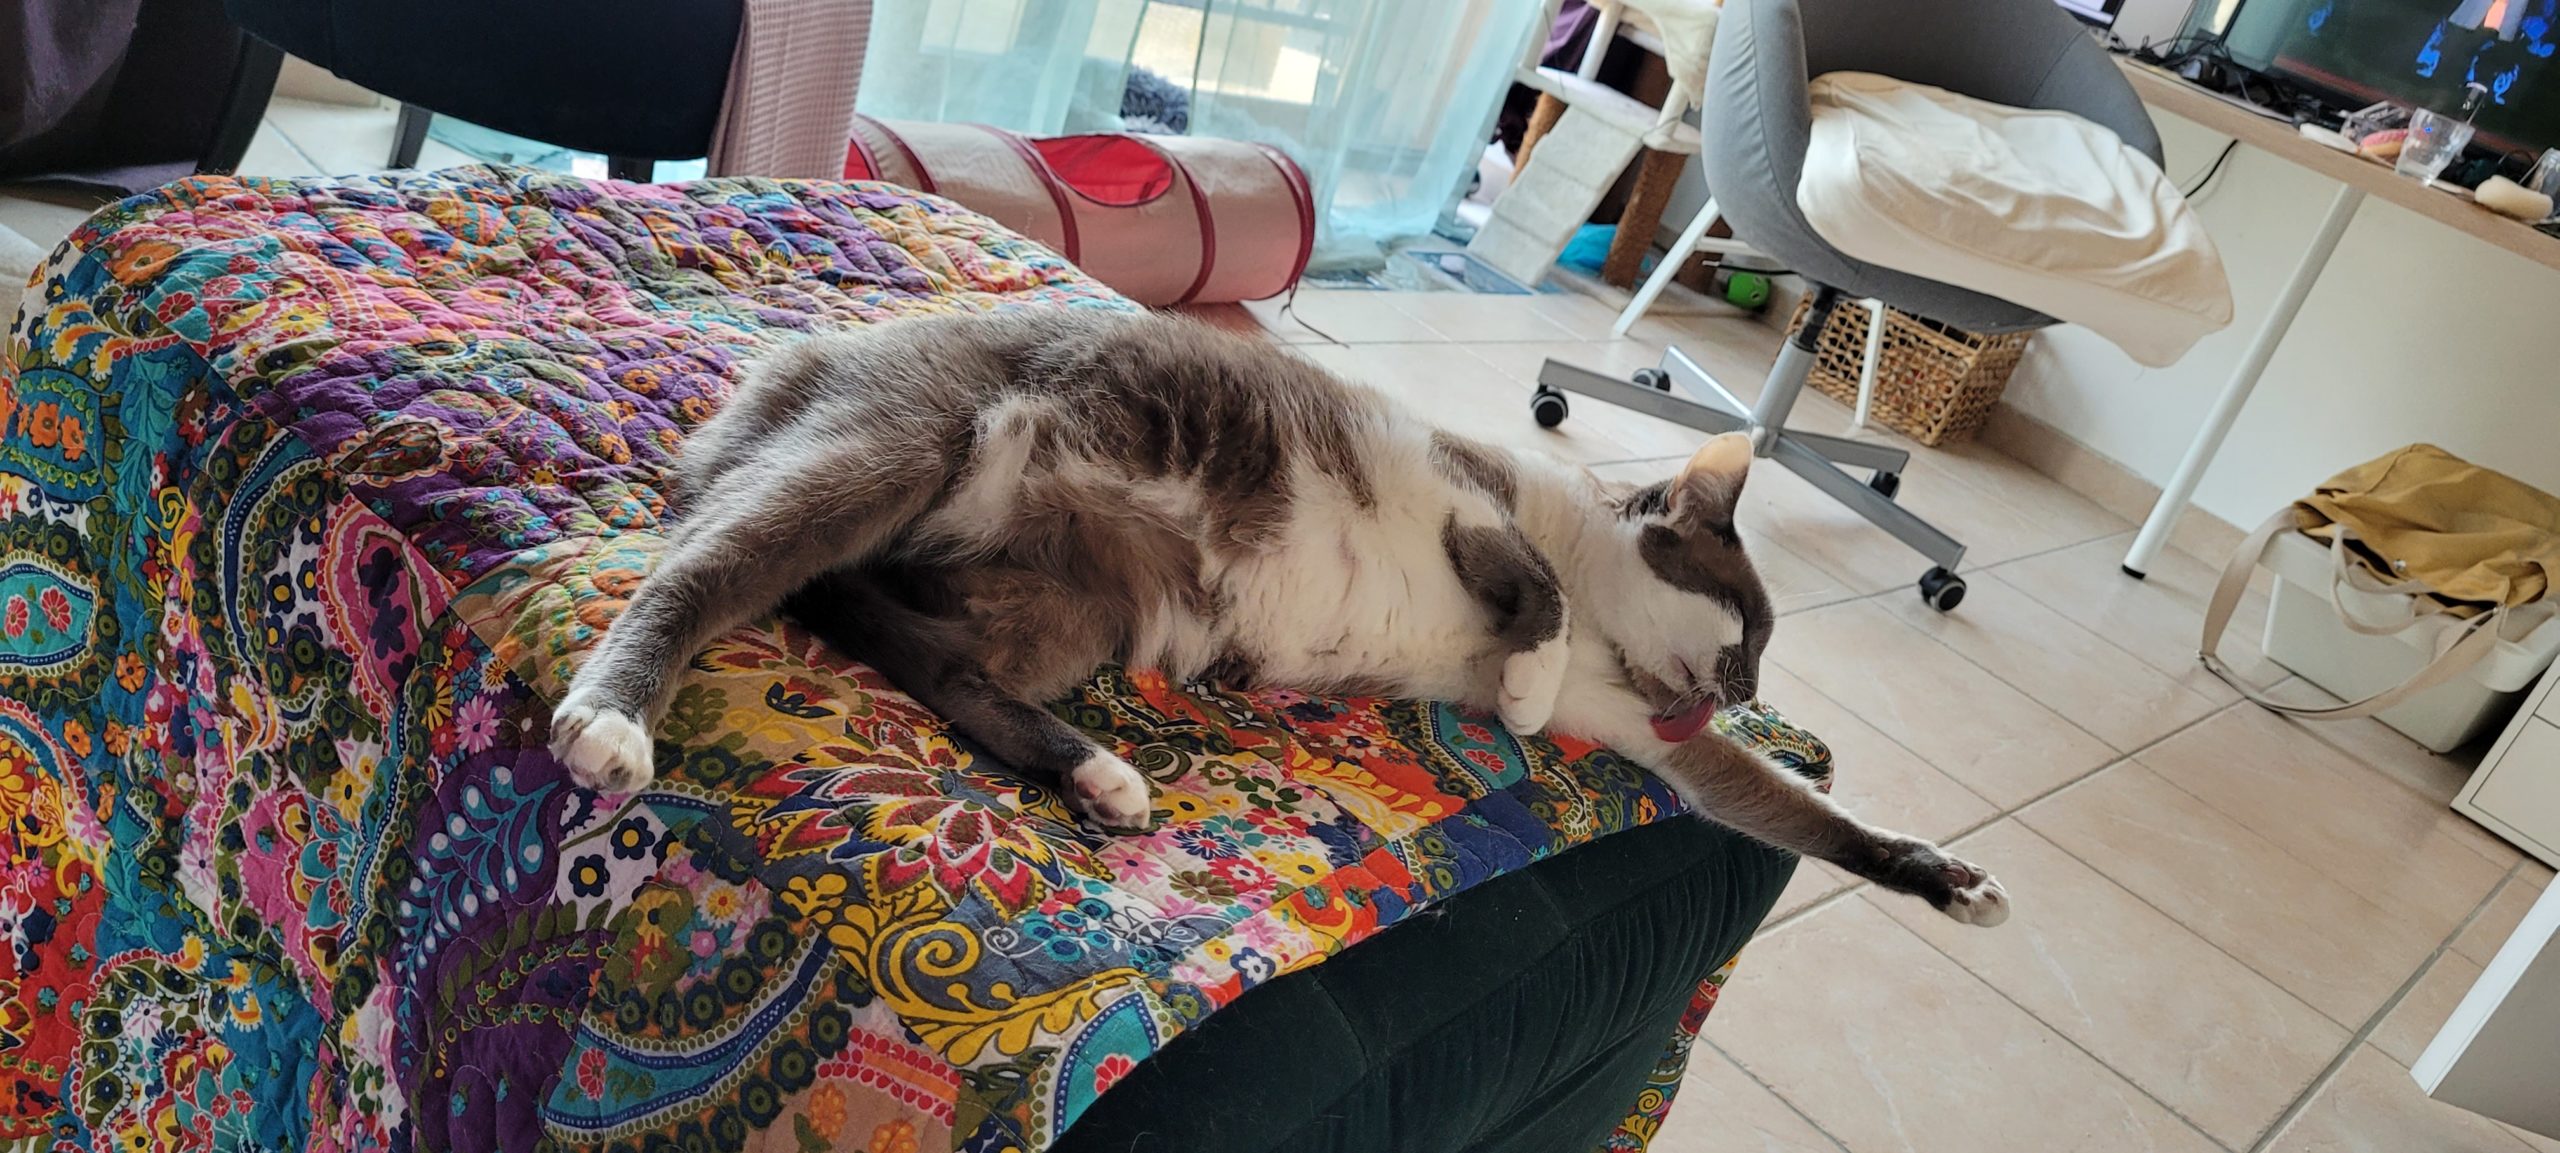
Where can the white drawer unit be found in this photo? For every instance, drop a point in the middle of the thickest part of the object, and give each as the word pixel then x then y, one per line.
pixel 2516 792
pixel 2499 1054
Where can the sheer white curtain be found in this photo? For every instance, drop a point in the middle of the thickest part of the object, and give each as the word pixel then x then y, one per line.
pixel 1386 103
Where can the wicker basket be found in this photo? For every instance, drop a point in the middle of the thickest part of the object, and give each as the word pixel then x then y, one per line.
pixel 1932 383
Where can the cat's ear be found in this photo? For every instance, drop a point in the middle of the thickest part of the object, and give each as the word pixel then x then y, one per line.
pixel 1710 485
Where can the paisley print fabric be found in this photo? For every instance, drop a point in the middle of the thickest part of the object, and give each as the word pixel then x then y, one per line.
pixel 311 493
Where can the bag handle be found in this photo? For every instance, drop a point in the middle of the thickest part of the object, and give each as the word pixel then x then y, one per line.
pixel 2345 573
pixel 2477 639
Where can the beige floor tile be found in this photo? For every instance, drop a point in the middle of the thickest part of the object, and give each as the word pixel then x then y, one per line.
pixel 1615 358
pixel 2211 1039
pixel 270 154
pixel 2373 1107
pixel 2158 620
pixel 2435 776
pixel 2293 924
pixel 1888 1045
pixel 1644 435
pixel 1581 316
pixel 1930 700
pixel 2481 940
pixel 1454 390
pixel 2383 749
pixel 1882 782
pixel 435 154
pixel 2068 669
pixel 1992 530
pixel 1813 881
pixel 340 139
pixel 2058 510
pixel 2431 775
pixel 1734 347
pixel 44 213
pixel 1720 1109
pixel 1350 316
pixel 1733 350
pixel 1684 316
pixel 1475 319
pixel 2411 1025
pixel 1277 316
pixel 1810 524
pixel 2328 810
pixel 1794 584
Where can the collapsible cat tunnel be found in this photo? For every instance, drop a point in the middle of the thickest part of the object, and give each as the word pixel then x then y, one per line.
pixel 1162 219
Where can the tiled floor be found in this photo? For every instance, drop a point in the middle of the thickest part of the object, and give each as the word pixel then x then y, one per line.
pixel 2233 931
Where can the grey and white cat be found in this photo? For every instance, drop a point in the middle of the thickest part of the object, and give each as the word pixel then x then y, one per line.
pixel 987 508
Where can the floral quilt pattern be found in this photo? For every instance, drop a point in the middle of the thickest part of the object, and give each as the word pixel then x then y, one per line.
pixel 312 492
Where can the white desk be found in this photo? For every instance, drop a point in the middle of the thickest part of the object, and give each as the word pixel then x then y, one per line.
pixel 2356 177
pixel 2499 1054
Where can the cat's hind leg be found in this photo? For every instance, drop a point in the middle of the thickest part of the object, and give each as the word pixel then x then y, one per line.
pixel 934 660
pixel 1511 579
pixel 756 534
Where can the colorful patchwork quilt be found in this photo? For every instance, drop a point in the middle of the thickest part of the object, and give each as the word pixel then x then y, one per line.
pixel 312 492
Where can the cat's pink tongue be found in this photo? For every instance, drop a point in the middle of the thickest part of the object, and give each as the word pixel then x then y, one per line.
pixel 1683 725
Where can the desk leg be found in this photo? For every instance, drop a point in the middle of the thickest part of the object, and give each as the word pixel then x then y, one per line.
pixel 2244 380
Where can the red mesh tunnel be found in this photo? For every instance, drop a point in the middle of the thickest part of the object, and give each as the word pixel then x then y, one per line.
pixel 1162 219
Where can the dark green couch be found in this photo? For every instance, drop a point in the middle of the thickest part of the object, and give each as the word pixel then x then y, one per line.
pixel 1552 992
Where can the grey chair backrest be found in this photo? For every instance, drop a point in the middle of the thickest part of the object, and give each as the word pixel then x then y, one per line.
pixel 1756 118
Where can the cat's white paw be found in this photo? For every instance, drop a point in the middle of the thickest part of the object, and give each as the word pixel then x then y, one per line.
pixel 1530 682
pixel 1114 795
pixel 604 749
pixel 1983 903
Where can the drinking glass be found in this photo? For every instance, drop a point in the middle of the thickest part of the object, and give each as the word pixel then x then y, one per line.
pixel 2546 174
pixel 2435 139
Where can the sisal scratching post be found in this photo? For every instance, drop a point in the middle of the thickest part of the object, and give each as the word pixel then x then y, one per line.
pixel 1542 120
pixel 1642 217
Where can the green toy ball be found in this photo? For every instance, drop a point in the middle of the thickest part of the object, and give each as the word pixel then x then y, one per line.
pixel 1747 290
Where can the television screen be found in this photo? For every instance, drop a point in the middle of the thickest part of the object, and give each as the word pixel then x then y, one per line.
pixel 2416 52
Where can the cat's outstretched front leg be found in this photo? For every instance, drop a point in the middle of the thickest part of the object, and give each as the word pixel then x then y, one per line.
pixel 1731 785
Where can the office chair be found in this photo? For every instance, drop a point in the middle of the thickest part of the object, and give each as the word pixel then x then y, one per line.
pixel 1756 121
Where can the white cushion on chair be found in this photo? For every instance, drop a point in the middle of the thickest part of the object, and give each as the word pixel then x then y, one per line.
pixel 2043 209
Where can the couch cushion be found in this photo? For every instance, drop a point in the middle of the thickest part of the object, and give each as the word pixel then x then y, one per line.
pixel 1574 971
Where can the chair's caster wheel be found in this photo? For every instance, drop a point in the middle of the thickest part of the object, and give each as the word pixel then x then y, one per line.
pixel 1548 406
pixel 1886 483
pixel 1654 378
pixel 1942 589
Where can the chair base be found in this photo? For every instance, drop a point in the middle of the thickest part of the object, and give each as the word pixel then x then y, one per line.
pixel 409 135
pixel 1815 457
pixel 253 84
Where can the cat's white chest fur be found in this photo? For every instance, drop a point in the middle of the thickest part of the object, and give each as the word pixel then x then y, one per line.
pixel 1364 594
